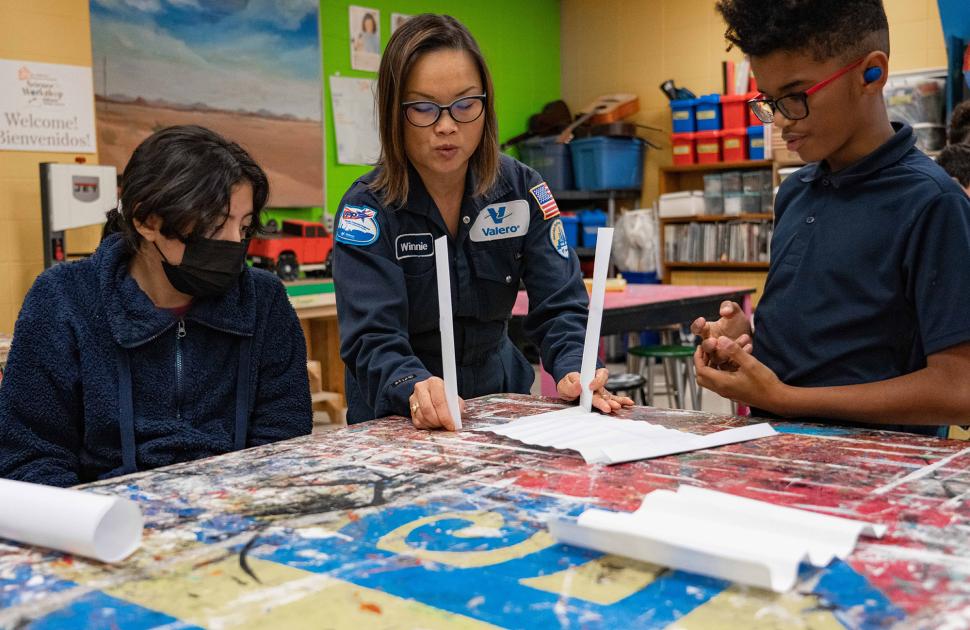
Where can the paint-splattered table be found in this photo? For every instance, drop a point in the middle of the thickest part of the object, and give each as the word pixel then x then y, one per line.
pixel 379 525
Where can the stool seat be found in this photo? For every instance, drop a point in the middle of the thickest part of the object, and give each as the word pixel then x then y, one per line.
pixel 678 369
pixel 625 382
pixel 663 352
pixel 630 384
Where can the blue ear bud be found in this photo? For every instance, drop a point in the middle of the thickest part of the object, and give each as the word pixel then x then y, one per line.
pixel 872 74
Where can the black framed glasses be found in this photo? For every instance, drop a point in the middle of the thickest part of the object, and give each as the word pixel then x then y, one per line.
pixel 426 113
pixel 792 106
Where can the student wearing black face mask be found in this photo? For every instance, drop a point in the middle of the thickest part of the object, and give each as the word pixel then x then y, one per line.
pixel 164 346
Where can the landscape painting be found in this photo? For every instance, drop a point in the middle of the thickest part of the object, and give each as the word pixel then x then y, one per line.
pixel 248 69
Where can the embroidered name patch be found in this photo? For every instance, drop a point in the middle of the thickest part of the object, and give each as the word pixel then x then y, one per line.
pixel 357 225
pixel 414 245
pixel 507 219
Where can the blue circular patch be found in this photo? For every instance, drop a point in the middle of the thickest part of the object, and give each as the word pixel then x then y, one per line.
pixel 557 236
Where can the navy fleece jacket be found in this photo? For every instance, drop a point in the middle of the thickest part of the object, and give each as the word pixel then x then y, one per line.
pixel 100 382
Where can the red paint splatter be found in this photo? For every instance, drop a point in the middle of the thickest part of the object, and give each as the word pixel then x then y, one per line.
pixel 371 607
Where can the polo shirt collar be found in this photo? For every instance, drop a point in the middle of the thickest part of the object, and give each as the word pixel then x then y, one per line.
pixel 889 153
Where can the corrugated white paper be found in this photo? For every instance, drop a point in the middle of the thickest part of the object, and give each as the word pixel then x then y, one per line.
pixel 721 535
pixel 606 440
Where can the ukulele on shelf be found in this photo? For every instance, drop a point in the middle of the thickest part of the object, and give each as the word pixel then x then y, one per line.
pixel 605 109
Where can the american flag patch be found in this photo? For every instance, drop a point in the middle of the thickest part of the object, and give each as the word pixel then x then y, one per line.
pixel 546 201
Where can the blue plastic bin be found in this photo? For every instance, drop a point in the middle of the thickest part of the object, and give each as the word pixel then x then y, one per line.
pixel 756 142
pixel 604 163
pixel 591 221
pixel 708 113
pixel 552 159
pixel 570 224
pixel 682 113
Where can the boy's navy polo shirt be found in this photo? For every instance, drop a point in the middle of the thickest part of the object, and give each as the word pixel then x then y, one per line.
pixel 870 270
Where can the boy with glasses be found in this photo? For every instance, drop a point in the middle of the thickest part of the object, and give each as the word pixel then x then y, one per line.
pixel 865 316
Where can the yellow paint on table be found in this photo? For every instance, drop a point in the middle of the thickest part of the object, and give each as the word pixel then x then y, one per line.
pixel 396 541
pixel 603 581
pixel 221 595
pixel 743 608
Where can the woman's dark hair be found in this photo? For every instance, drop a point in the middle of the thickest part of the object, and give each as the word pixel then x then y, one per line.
pixel 824 28
pixel 184 175
pixel 419 35
pixel 373 22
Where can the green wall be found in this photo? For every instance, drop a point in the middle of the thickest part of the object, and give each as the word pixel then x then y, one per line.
pixel 520 40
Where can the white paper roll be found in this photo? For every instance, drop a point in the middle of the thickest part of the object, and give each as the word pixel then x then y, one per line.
pixel 82 523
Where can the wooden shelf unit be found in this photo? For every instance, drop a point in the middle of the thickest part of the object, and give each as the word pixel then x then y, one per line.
pixel 719 218
pixel 680 178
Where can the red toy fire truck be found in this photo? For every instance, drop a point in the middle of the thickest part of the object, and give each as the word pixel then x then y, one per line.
pixel 299 245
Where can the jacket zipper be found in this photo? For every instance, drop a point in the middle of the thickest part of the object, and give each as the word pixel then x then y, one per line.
pixel 179 335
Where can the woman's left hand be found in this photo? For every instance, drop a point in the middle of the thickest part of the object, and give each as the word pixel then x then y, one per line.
pixel 570 388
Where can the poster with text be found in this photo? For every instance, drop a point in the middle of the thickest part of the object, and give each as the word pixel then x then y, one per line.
pixel 46 107
pixel 365 39
pixel 249 71
pixel 355 120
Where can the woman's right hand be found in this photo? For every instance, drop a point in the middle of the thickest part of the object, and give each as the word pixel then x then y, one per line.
pixel 429 407
pixel 733 324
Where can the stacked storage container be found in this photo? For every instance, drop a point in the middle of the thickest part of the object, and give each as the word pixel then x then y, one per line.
pixel 715 128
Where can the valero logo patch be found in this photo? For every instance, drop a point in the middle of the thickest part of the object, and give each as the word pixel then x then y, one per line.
pixel 507 219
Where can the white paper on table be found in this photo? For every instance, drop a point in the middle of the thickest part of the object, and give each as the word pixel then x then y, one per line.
pixel 446 325
pixel 82 523
pixel 601 264
pixel 718 534
pixel 607 440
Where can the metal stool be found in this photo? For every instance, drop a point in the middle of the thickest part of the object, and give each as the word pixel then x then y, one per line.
pixel 628 384
pixel 678 365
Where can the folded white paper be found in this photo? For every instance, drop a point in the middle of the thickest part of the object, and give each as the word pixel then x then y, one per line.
pixel 446 325
pixel 606 440
pixel 83 523
pixel 721 535
pixel 601 264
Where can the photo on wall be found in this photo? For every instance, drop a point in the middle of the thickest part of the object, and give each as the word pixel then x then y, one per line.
pixel 247 70
pixel 365 39
pixel 398 19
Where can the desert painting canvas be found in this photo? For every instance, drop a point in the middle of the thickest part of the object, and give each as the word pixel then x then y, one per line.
pixel 247 69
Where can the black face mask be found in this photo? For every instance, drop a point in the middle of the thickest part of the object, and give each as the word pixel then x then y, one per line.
pixel 209 267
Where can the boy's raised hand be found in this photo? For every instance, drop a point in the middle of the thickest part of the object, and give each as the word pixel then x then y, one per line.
pixel 733 324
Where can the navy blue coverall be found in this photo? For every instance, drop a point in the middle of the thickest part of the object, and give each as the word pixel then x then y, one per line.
pixel 387 301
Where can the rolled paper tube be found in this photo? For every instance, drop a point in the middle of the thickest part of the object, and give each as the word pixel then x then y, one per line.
pixel 83 523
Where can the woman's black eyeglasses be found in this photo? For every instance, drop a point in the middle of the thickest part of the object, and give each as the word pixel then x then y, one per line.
pixel 426 113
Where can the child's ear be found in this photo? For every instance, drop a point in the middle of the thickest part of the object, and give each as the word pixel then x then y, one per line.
pixel 150 229
pixel 875 72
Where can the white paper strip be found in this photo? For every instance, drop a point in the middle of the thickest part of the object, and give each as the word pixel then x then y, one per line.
pixel 606 440
pixel 446 325
pixel 601 264
pixel 83 523
pixel 717 534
